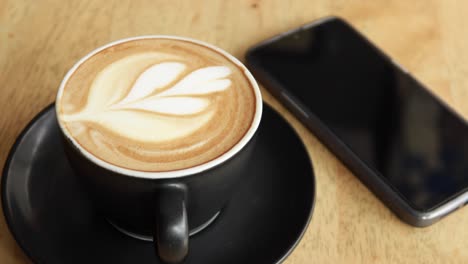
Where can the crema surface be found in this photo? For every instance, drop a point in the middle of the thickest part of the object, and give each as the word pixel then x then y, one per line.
pixel 157 104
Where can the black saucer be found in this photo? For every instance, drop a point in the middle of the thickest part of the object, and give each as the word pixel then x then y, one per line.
pixel 52 220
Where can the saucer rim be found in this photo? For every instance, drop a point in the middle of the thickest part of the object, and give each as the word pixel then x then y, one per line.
pixel 37 259
pixel 13 149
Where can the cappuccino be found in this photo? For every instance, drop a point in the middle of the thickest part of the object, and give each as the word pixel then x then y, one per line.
pixel 157 104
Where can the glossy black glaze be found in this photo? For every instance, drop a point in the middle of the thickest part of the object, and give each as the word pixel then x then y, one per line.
pixel 54 221
pixel 129 202
pixel 171 223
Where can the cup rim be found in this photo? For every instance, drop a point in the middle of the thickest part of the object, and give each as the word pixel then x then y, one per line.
pixel 174 173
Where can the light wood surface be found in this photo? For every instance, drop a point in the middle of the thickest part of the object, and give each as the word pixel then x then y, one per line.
pixel 41 39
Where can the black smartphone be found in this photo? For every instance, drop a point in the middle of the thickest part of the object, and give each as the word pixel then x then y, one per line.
pixel 407 146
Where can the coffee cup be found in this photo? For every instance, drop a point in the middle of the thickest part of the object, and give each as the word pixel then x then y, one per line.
pixel 159 130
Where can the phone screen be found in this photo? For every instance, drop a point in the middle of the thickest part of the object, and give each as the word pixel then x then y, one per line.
pixel 377 110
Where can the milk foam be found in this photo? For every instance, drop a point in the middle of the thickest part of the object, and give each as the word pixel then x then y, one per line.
pixel 157 91
pixel 157 105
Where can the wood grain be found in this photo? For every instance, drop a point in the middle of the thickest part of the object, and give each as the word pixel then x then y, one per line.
pixel 40 40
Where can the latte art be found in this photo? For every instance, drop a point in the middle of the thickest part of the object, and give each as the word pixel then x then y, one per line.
pixel 157 91
pixel 157 104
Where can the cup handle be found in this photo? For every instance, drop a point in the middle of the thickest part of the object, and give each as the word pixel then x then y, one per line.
pixel 171 236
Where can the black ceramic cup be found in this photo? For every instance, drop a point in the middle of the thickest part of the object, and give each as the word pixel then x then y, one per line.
pixel 166 207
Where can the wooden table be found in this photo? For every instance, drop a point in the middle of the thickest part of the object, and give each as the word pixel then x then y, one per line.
pixel 40 40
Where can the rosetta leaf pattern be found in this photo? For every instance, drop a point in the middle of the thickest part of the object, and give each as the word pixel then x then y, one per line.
pixel 178 99
pixel 150 91
pixel 156 77
pixel 158 93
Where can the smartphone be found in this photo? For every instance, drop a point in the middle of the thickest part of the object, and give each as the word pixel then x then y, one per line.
pixel 406 145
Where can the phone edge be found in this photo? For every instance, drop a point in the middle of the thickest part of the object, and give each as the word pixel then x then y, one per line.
pixel 384 191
